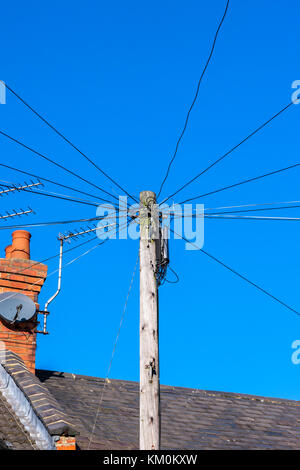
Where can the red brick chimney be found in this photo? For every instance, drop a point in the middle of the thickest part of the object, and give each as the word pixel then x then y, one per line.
pixel 18 273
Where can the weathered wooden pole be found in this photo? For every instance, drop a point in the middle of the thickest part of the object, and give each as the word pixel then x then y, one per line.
pixel 149 358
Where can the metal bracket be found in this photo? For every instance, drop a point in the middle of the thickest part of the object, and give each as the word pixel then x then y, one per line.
pixel 45 313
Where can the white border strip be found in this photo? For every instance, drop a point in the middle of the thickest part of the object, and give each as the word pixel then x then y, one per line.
pixel 24 412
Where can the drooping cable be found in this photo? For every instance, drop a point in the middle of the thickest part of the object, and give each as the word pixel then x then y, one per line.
pixel 47 224
pixel 68 141
pixel 194 100
pixel 39 192
pixel 66 251
pixel 250 217
pixel 52 182
pixel 176 277
pixel 241 182
pixel 238 274
pixel 206 214
pixel 252 210
pixel 229 152
pixel 112 355
pixel 13 294
pixel 35 152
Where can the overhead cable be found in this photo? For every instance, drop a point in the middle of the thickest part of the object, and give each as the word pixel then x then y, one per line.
pixel 67 140
pixel 239 275
pixel 194 100
pixel 229 152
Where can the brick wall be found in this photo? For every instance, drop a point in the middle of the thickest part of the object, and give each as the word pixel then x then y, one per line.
pixel 66 443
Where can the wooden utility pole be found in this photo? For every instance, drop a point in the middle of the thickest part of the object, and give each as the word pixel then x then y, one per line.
pixel 149 359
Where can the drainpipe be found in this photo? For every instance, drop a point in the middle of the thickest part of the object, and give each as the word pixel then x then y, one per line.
pixel 58 287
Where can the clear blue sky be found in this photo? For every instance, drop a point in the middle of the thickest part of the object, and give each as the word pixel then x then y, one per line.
pixel 117 78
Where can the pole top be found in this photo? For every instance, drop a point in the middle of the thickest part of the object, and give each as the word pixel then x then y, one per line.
pixel 147 197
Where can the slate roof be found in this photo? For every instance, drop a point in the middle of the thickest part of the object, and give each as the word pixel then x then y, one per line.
pixel 191 419
pixel 3 445
pixel 12 433
pixel 48 410
pixel 34 409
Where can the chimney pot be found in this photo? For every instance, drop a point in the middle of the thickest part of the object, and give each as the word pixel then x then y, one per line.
pixel 8 250
pixel 21 245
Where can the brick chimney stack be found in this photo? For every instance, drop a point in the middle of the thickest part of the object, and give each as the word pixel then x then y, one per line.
pixel 18 273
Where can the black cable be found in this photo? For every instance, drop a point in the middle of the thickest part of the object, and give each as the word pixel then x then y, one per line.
pixel 57 164
pixel 65 251
pixel 68 141
pixel 56 196
pixel 40 193
pixel 176 275
pixel 241 182
pixel 46 224
pixel 253 210
pixel 230 151
pixel 250 282
pixel 247 210
pixel 194 100
pixel 249 217
pixel 55 256
pixel 53 182
pixel 240 275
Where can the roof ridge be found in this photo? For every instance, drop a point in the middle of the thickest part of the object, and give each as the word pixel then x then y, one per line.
pixel 44 404
pixel 212 393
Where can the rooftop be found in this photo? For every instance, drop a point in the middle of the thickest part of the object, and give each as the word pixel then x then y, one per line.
pixel 191 419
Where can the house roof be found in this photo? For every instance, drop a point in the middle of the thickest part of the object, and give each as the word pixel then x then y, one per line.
pixel 30 416
pixel 68 404
pixel 12 432
pixel 191 419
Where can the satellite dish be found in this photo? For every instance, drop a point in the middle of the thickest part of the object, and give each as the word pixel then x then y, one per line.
pixel 16 307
